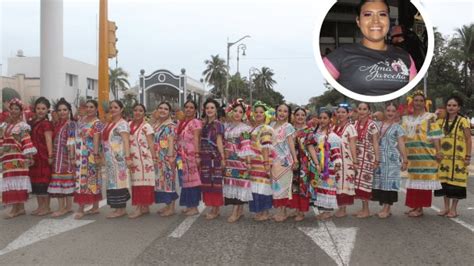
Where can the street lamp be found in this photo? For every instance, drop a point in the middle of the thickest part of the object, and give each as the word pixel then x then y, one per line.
pixel 252 72
pixel 229 44
pixel 239 47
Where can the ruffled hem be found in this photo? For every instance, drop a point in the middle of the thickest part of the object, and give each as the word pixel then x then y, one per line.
pixel 262 189
pixel 240 193
pixel 61 191
pixel 423 184
pixel 30 151
pixel 15 183
pixel 326 201
pixel 246 152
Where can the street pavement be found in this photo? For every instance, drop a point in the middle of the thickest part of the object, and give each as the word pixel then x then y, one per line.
pixel 178 240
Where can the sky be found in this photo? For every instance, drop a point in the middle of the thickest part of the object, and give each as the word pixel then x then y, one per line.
pixel 183 34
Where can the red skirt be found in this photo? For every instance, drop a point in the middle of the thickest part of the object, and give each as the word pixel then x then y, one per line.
pixel 362 195
pixel 417 198
pixel 14 196
pixel 213 199
pixel 298 202
pixel 143 195
pixel 344 200
pixel 83 199
pixel 277 203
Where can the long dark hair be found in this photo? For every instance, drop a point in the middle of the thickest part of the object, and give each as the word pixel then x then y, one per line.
pixel 96 105
pixel 216 104
pixel 446 127
pixel 289 110
pixel 63 101
pixel 42 100
pixel 328 112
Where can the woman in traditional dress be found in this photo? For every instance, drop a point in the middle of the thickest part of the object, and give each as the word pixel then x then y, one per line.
pixel 88 180
pixel 301 174
pixel 367 149
pixel 387 178
pixel 63 181
pixel 237 185
pixel 456 150
pixel 212 159
pixel 345 181
pixel 423 136
pixel 285 161
pixel 40 171
pixel 143 155
pixel 165 168
pixel 189 140
pixel 16 154
pixel 260 170
pixel 116 148
pixel 329 159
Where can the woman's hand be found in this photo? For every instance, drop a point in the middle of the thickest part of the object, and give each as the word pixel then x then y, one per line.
pixel 404 165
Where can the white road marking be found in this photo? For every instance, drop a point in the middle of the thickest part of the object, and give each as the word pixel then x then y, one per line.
pixel 338 243
pixel 470 208
pixel 456 220
pixel 44 229
pixel 186 224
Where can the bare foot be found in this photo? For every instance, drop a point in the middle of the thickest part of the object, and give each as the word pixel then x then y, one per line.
pixel 383 215
pixel 263 217
pixel 324 216
pixel 44 212
pixel 293 214
pixel 212 215
pixel 358 213
pixel 192 211
pixel 443 213
pixel 78 215
pixel 116 214
pixel 14 214
pixel 340 213
pixel 163 209
pixel 280 217
pixel 92 212
pixel 35 212
pixel 452 214
pixel 299 217
pixel 409 211
pixel 363 214
pixel 135 214
pixel 60 213
pixel 185 211
pixel 167 213
pixel 415 214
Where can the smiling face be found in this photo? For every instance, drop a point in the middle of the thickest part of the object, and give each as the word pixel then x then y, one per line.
pixel 373 21
pixel 238 113
pixel 282 113
pixel 342 115
pixel 163 111
pixel 15 111
pixel 211 110
pixel 63 112
pixel 259 115
pixel 189 110
pixel 138 113
pixel 91 110
pixel 300 117
pixel 363 111
pixel 41 110
pixel 390 112
pixel 453 107
pixel 418 103
pixel 115 110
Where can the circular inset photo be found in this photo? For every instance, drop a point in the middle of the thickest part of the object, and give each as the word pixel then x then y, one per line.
pixel 374 50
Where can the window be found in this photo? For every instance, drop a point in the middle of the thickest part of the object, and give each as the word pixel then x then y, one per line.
pixel 91 84
pixel 71 80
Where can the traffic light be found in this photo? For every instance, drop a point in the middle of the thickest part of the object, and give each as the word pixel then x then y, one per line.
pixel 112 39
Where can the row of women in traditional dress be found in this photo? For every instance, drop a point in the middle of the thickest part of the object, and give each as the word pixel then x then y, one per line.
pixel 257 157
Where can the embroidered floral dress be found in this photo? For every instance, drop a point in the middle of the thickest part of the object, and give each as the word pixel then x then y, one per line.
pixel 366 159
pixel 63 181
pixel 211 168
pixel 261 182
pixel 237 184
pixel 345 181
pixel 165 187
pixel 16 148
pixel 116 170
pixel 143 169
pixel 88 180
pixel 282 173
pixel 329 155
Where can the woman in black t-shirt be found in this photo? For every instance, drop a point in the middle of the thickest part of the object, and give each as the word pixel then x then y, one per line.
pixel 371 67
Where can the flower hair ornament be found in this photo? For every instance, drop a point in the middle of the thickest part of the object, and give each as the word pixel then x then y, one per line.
pixel 239 102
pixel 428 103
pixel 269 111
pixel 15 101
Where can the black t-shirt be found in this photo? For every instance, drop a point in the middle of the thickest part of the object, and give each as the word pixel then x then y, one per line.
pixel 371 72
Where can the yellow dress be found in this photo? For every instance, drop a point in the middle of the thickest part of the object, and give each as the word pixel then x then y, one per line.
pixel 421 152
pixel 453 169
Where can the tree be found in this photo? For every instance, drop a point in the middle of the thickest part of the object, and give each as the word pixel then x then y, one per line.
pixel 118 80
pixel 464 39
pixel 215 74
pixel 264 79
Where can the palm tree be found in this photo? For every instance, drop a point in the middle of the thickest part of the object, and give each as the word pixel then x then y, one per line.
pixel 118 81
pixel 465 39
pixel 264 79
pixel 215 74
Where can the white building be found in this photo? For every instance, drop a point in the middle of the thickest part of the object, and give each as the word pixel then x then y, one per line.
pixel 80 79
